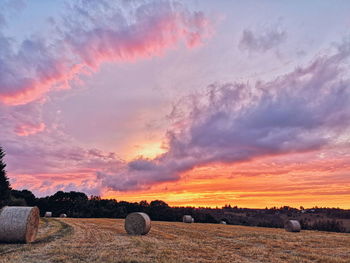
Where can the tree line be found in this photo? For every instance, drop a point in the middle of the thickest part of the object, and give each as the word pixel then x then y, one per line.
pixel 77 204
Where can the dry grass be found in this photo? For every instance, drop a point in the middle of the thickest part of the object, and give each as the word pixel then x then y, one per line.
pixel 105 240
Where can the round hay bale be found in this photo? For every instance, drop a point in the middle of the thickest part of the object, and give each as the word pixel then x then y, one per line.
pixel 19 224
pixel 292 226
pixel 63 215
pixel 137 223
pixel 187 219
pixel 48 214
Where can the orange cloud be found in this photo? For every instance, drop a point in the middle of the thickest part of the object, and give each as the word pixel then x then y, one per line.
pixel 29 129
pixel 271 181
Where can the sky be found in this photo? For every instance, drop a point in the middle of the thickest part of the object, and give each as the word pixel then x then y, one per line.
pixel 196 103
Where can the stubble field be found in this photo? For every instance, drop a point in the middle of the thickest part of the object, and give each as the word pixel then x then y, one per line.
pixel 104 240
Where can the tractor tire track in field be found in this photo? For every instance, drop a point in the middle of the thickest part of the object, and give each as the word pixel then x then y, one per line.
pixel 49 230
pixel 105 240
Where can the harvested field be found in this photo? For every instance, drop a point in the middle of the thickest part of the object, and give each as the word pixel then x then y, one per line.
pixel 49 230
pixel 105 240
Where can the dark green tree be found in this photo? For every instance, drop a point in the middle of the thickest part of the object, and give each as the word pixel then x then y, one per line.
pixel 5 189
pixel 27 197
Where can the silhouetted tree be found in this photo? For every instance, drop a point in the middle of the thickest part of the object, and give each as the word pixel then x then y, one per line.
pixel 5 188
pixel 27 196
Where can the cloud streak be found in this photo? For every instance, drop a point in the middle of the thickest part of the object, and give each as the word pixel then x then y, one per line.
pixel 92 33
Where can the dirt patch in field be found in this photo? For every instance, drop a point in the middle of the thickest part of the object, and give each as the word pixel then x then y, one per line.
pixel 105 240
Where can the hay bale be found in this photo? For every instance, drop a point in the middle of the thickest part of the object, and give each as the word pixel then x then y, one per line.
pixel 292 226
pixel 19 224
pixel 187 219
pixel 137 223
pixel 63 215
pixel 48 214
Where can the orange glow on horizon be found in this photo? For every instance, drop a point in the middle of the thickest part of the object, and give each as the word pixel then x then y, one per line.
pixel 269 182
pixel 309 179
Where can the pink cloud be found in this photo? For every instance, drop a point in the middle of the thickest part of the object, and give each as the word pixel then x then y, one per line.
pixel 90 38
pixel 91 33
pixel 46 184
pixel 29 129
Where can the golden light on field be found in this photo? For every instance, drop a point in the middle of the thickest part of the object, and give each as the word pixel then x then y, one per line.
pixel 104 240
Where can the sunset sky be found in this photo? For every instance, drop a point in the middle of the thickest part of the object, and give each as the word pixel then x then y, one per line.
pixel 193 102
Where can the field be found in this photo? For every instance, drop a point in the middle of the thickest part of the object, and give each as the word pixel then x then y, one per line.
pixel 104 240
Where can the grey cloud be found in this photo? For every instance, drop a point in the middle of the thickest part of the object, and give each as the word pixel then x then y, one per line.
pixel 305 110
pixel 262 42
